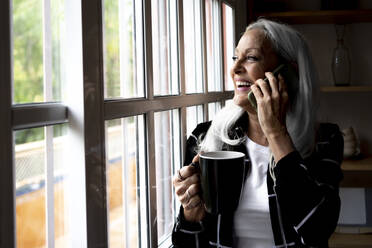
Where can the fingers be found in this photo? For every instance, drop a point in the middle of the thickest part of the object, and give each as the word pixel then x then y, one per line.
pixel 191 193
pixel 179 176
pixel 273 83
pixel 262 92
pixel 187 171
pixel 196 158
pixel 188 192
pixel 183 173
pixel 256 91
pixel 181 187
pixel 264 87
pixel 187 185
pixel 193 202
pixel 271 89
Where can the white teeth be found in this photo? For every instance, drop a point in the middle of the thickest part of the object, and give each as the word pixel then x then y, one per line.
pixel 239 84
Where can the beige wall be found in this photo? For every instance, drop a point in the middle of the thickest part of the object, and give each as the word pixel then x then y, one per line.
pixel 352 108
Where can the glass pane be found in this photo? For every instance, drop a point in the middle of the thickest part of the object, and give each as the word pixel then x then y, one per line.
pixel 125 181
pixel 213 45
pixel 213 109
pixel 32 149
pixel 123 48
pixel 228 44
pixel 164 47
pixel 193 46
pixel 167 159
pixel 194 116
pixel 38 48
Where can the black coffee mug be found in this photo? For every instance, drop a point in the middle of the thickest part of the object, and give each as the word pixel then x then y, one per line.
pixel 222 176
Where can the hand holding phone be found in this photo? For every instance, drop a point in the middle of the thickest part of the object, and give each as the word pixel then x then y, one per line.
pixel 290 77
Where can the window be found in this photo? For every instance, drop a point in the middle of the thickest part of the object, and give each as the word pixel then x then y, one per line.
pixel 194 116
pixel 38 34
pixel 95 116
pixel 213 109
pixel 126 177
pixel 213 34
pixel 167 160
pixel 165 47
pixel 40 186
pixel 123 48
pixel 228 44
pixel 193 45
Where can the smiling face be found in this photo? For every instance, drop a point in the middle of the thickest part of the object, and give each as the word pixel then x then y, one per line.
pixel 254 56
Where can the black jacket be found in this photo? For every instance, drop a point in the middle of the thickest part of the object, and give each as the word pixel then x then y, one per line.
pixel 304 202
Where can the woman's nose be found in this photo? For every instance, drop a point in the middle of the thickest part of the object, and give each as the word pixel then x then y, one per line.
pixel 237 67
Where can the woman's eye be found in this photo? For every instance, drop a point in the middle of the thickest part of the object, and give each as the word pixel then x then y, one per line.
pixel 252 58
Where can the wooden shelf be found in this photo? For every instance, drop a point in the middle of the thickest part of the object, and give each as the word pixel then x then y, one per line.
pixel 357 173
pixel 346 240
pixel 320 16
pixel 346 88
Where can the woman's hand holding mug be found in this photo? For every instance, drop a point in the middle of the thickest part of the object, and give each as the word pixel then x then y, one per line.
pixel 187 187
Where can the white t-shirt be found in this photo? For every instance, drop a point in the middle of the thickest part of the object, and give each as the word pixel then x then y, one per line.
pixel 252 224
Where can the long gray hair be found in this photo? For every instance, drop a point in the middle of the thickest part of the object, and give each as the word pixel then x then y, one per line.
pixel 291 46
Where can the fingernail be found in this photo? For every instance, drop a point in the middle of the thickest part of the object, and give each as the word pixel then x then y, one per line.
pixel 195 164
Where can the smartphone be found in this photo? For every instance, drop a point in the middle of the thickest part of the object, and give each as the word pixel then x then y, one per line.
pixel 290 77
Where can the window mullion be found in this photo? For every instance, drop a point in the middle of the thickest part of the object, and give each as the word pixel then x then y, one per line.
pixel 204 60
pixel 173 46
pixel 204 46
pixel 142 184
pixel 125 181
pixel 169 41
pixel 206 112
pixel 183 134
pixel 138 44
pixel 177 155
pixel 169 45
pixel 149 132
pixel 195 45
pixel 95 164
pixel 148 51
pixel 7 179
pixel 49 186
pixel 181 34
pixel 48 95
pixel 152 202
pixel 219 38
pixel 75 182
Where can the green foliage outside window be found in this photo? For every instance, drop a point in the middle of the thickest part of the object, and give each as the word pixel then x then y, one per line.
pixel 28 54
pixel 27 51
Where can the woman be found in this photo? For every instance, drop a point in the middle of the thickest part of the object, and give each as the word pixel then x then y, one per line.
pixel 290 198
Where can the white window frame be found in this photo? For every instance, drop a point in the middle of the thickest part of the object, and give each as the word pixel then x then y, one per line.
pixel 77 112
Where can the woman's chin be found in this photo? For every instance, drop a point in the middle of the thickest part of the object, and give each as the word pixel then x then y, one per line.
pixel 243 102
